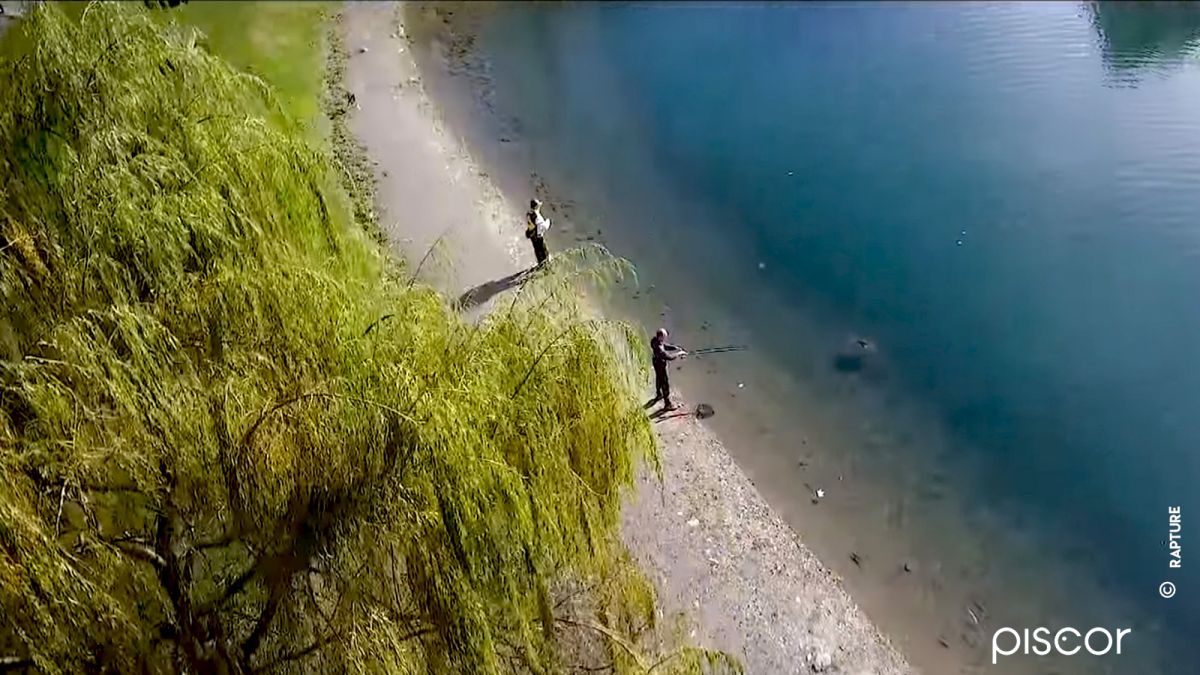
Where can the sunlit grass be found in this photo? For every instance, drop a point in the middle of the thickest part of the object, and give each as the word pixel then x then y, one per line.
pixel 282 42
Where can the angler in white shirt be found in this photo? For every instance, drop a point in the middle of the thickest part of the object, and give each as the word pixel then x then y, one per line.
pixel 536 226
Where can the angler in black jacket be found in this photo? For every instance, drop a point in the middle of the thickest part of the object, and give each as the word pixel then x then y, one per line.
pixel 661 352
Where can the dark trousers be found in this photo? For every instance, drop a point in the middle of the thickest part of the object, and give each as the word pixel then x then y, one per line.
pixel 662 385
pixel 539 249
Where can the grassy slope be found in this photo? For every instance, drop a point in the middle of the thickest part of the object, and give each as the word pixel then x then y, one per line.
pixel 281 42
pixel 284 43
pixel 295 47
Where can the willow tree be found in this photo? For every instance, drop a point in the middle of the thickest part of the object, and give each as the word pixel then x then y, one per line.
pixel 233 438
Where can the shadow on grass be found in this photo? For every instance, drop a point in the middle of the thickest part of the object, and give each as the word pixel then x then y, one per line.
pixel 488 290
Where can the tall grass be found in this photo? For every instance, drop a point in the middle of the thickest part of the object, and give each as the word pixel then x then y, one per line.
pixel 234 438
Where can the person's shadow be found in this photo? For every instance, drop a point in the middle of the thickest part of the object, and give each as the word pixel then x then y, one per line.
pixel 486 291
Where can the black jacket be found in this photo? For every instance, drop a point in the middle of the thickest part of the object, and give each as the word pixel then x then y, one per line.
pixel 661 352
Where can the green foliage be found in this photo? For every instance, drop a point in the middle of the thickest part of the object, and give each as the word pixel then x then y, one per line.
pixel 280 42
pixel 234 438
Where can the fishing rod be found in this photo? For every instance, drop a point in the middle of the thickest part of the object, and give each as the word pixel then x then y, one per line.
pixel 717 350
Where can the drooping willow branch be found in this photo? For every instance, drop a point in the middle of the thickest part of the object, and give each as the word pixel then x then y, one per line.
pixel 545 350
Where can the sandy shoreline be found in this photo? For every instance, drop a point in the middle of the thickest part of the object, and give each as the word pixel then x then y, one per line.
pixel 705 535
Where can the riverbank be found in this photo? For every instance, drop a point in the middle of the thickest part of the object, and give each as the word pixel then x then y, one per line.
pixel 704 534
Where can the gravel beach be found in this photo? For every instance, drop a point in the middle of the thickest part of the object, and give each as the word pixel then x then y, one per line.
pixel 704 534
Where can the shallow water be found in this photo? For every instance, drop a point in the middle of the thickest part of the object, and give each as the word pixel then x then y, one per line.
pixel 1003 198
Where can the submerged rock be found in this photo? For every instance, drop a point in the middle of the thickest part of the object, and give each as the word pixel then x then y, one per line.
pixel 855 356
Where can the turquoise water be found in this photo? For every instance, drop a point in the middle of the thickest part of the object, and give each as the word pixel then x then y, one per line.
pixel 1005 198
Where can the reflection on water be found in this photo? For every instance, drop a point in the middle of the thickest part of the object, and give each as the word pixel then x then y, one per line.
pixel 1141 37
